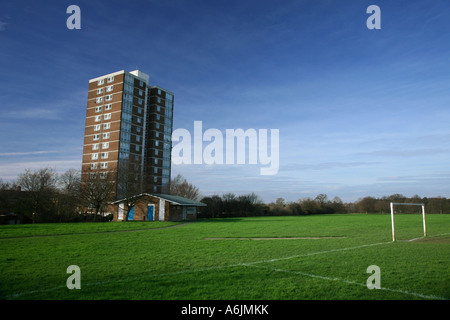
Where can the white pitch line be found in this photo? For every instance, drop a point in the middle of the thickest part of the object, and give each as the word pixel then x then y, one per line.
pixel 419 295
pixel 16 295
pixel 317 253
pixel 423 237
pixel 223 267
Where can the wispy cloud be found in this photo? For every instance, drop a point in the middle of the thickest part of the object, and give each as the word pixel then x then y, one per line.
pixel 326 165
pixel 428 178
pixel 10 171
pixel 404 153
pixel 49 113
pixel 30 153
pixel 3 25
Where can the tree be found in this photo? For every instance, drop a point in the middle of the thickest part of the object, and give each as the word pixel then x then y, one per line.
pixel 7 185
pixel 41 185
pixel 337 205
pixel 69 203
pixel 310 206
pixel 279 203
pixel 129 180
pixel 181 187
pixel 323 203
pixel 97 190
pixel 214 206
pixel 280 207
pixel 254 198
pixel 295 208
pixel 7 202
pixel 366 205
pixel 70 182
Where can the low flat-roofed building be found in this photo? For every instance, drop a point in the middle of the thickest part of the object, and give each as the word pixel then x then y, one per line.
pixel 157 207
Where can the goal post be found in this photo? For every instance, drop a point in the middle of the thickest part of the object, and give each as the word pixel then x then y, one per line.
pixel 407 204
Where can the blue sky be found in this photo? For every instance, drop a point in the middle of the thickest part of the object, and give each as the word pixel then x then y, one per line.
pixel 360 112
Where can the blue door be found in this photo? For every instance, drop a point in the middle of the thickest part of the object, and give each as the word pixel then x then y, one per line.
pixel 150 210
pixel 131 214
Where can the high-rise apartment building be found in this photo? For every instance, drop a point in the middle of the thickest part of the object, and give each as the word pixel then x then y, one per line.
pixel 128 131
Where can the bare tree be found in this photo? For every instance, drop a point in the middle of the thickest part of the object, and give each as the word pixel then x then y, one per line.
pixel 41 185
pixel 70 182
pixel 69 197
pixel 97 190
pixel 366 205
pixel 7 185
pixel 181 187
pixel 129 180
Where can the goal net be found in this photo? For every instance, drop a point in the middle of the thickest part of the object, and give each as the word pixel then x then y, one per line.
pixel 407 204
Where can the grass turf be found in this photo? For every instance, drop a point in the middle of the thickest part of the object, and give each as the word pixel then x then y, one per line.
pixel 154 262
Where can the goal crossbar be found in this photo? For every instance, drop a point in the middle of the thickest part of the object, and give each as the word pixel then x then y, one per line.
pixel 408 204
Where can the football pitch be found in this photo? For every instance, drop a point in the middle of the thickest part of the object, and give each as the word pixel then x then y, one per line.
pixel 320 257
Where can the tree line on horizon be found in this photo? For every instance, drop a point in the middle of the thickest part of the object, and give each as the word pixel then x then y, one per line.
pixel 231 205
pixel 45 196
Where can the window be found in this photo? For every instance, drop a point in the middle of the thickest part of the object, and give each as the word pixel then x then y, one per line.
pixel 98 109
pixel 110 79
pixel 93 166
pixel 108 97
pixel 141 92
pixel 99 91
pixel 106 126
pixel 107 116
pixel 104 165
pixel 98 118
pixel 157 143
pixel 139 110
pixel 138 120
pixel 105 145
pixel 96 137
pixel 124 147
pixel 108 106
pixel 104 155
pixel 95 146
pixel 106 135
pixel 100 82
pixel 159 91
pixel 109 88
pixel 94 156
pixel 103 175
pixel 138 138
pixel 125 136
pixel 97 127
pixel 137 148
pixel 138 129
pixel 99 100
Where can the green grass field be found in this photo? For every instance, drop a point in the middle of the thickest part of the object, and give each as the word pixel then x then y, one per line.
pixel 320 257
